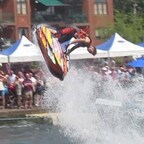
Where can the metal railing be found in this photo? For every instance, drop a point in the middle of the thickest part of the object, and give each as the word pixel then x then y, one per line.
pixel 74 18
pixel 77 18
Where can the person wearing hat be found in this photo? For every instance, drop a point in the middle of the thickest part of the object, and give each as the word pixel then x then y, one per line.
pixel 82 39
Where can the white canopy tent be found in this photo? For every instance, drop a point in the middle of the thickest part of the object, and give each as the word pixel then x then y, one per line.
pixel 22 51
pixel 82 53
pixel 3 59
pixel 117 46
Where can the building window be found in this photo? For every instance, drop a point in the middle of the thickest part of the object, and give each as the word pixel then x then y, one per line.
pixel 21 7
pixel 100 7
pixel 23 32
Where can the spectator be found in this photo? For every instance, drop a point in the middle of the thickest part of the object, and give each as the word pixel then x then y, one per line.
pixel 114 73
pixel 28 92
pixel 21 76
pixel 11 77
pixel 32 78
pixel 2 94
pixel 40 89
pixel 34 81
pixel 3 76
pixel 18 88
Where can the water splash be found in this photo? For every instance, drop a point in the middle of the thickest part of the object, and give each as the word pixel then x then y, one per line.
pixel 87 122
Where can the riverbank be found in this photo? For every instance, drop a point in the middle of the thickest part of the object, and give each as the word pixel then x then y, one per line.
pixel 21 112
pixel 38 115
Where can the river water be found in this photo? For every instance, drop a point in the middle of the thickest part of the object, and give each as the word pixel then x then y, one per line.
pixel 31 133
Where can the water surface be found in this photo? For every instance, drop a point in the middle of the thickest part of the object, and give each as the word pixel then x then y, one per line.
pixel 25 133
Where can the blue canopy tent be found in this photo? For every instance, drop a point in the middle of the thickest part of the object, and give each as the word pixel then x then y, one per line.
pixel 22 51
pixel 137 63
pixel 141 44
pixel 116 46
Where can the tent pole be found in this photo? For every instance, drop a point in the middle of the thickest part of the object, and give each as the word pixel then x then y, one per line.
pixel 108 59
pixel 9 63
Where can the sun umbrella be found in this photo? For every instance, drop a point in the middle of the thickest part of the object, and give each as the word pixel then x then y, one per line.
pixel 141 44
pixel 137 63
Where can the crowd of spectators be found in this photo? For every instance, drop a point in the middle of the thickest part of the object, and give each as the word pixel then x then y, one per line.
pixel 121 73
pixel 22 89
pixel 25 88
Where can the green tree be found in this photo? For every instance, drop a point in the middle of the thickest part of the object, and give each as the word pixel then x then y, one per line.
pixel 129 21
pixel 129 26
pixel 129 6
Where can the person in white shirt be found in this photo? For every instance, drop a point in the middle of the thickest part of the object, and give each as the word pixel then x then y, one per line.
pixel 33 79
pixel 11 77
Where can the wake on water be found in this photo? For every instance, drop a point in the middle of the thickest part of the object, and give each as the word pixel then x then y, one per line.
pixel 85 121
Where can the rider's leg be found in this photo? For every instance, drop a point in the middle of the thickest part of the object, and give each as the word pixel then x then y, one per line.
pixel 72 49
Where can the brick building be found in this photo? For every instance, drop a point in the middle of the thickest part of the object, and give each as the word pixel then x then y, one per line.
pixel 17 17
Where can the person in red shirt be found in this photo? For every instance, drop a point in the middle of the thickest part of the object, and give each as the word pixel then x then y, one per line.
pixel 82 39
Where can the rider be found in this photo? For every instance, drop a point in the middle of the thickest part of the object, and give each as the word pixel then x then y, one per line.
pixel 81 39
